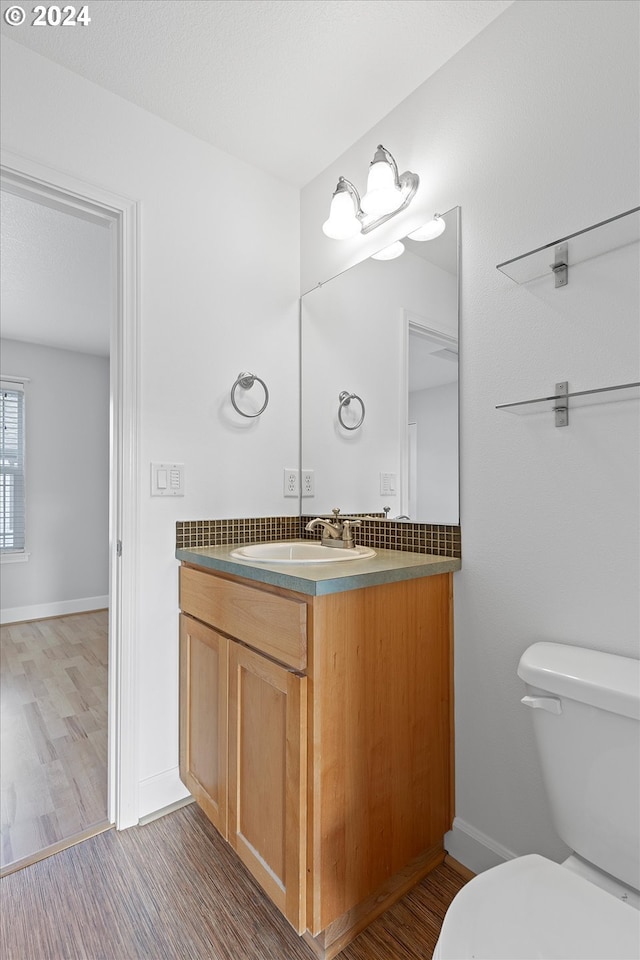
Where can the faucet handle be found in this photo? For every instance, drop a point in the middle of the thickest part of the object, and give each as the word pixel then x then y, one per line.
pixel 347 535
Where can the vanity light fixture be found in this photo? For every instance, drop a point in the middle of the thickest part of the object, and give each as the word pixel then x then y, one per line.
pixel 388 192
pixel 429 230
pixel 389 253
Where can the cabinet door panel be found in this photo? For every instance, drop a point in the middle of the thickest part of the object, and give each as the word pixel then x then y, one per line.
pixel 203 717
pixel 267 776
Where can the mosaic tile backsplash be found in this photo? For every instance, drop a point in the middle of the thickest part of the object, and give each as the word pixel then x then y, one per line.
pixel 441 540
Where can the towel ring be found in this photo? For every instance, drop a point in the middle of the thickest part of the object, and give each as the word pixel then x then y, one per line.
pixel 345 399
pixel 246 381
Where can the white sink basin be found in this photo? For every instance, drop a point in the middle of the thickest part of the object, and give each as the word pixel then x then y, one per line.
pixel 299 551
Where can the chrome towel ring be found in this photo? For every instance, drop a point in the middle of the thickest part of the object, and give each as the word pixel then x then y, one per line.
pixel 246 381
pixel 345 399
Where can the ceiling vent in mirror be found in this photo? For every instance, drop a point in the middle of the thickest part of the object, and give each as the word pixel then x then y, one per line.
pixel 388 192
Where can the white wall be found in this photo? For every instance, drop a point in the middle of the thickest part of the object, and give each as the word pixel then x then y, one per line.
pixel 219 267
pixel 533 129
pixel 67 483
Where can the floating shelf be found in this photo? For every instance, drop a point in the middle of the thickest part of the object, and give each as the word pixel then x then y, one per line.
pixel 558 401
pixel 555 258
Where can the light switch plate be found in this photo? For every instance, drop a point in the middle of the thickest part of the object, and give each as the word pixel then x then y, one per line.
pixel 388 484
pixel 167 479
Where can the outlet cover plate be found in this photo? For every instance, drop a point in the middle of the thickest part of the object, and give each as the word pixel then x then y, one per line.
pixel 291 482
pixel 308 484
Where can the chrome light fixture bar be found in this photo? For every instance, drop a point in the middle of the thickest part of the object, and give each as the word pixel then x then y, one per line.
pixel 388 192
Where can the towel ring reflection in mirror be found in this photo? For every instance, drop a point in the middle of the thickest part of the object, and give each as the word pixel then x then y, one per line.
pixel 246 381
pixel 345 399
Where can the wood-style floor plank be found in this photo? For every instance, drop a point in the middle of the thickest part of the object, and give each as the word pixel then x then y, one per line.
pixel 173 890
pixel 53 732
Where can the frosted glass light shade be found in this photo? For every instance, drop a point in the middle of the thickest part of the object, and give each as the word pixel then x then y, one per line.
pixel 387 194
pixel 389 253
pixel 382 195
pixel 342 222
pixel 430 230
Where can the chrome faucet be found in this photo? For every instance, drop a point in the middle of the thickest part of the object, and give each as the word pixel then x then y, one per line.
pixel 336 532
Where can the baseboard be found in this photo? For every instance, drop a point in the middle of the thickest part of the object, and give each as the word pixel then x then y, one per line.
pixel 156 793
pixel 46 611
pixel 474 849
pixel 328 943
pixel 150 817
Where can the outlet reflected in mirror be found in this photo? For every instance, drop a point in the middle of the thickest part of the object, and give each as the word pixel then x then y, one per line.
pixel 386 331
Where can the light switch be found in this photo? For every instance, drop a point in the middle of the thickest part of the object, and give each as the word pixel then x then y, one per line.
pixel 167 479
pixel 388 482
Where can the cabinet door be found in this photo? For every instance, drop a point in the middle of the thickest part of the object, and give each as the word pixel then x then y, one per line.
pixel 203 717
pixel 267 777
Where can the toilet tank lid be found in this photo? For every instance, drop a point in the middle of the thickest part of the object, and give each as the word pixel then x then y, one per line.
pixel 600 679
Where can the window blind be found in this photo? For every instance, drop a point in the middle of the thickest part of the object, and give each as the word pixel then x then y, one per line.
pixel 12 485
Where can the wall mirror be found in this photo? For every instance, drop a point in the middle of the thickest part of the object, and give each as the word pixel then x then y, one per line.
pixel 379 385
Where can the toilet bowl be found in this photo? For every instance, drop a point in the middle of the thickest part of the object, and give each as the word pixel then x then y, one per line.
pixel 586 713
pixel 531 907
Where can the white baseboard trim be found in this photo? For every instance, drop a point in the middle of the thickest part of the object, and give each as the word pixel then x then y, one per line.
pixel 163 790
pixel 165 810
pixel 474 849
pixel 44 611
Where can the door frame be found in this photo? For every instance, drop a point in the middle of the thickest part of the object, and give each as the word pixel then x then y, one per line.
pixel 27 178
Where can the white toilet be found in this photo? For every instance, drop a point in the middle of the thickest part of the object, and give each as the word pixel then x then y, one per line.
pixel 587 726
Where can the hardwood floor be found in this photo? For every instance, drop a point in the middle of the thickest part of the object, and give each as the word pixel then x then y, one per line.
pixel 173 890
pixel 53 733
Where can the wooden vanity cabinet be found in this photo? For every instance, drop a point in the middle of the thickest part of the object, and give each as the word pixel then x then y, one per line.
pixel 338 766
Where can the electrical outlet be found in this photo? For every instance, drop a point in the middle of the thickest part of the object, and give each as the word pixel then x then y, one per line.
pixel 308 484
pixel 291 482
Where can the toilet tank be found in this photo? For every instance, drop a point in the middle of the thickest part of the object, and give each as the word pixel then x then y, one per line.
pixel 587 727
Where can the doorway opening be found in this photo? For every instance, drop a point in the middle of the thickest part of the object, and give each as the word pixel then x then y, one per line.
pixel 429 417
pixel 57 631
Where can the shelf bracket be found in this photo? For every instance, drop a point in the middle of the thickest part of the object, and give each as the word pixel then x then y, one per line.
pixel 560 267
pixel 562 406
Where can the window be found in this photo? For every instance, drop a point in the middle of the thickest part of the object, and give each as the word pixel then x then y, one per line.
pixel 12 486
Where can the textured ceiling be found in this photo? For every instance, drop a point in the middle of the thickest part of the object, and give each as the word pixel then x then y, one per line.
pixel 287 85
pixel 56 277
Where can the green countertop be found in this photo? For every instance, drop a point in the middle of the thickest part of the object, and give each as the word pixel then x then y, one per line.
pixel 316 579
